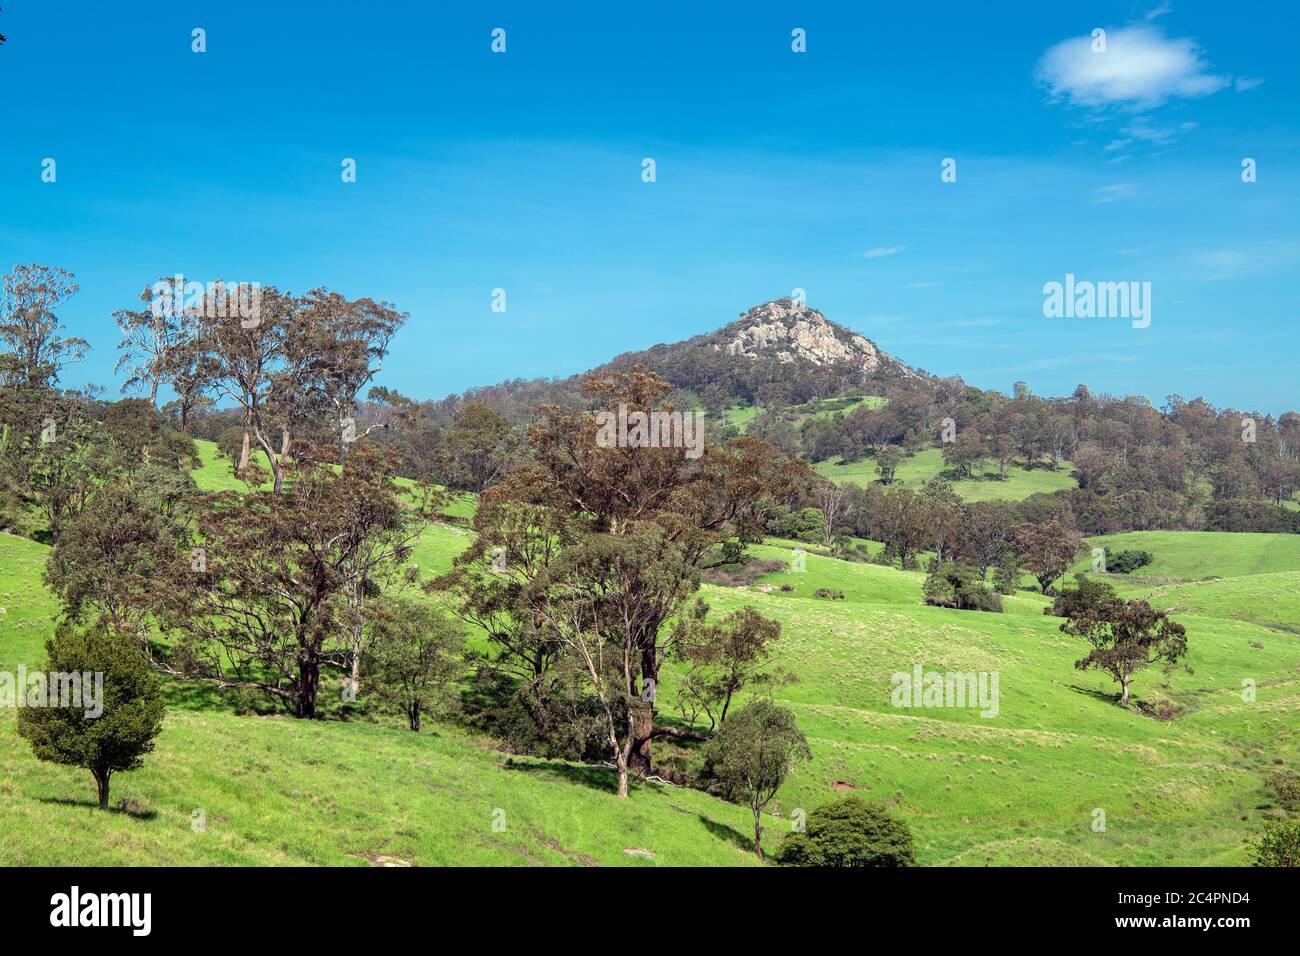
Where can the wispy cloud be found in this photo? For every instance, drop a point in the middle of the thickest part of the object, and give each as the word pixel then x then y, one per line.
pixel 881 251
pixel 1113 193
pixel 1143 132
pixel 1139 69
pixel 1238 261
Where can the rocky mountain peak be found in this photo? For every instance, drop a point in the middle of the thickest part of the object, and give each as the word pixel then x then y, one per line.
pixel 790 331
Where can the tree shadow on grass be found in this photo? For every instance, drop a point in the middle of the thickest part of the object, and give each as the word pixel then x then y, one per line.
pixel 1104 696
pixel 597 778
pixel 606 779
pixel 196 695
pixel 730 834
pixel 120 807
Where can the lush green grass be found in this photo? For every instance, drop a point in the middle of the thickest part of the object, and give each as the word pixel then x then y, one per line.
pixel 1246 577
pixel 917 469
pixel 1270 600
pixel 216 473
pixel 1018 788
pixel 742 415
pixel 279 791
pixel 1021 787
pixel 1196 555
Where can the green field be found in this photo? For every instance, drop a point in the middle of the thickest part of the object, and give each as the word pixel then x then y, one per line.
pixel 216 473
pixel 1245 577
pixel 915 470
pixel 1197 555
pixel 279 791
pixel 742 415
pixel 1018 788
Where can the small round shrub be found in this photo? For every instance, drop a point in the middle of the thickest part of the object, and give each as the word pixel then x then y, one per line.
pixel 1279 845
pixel 849 832
pixel 1126 562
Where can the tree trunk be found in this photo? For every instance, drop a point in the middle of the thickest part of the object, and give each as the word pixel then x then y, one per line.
pixel 277 466
pixel 758 835
pixel 243 451
pixel 414 714
pixel 354 601
pixel 1123 682
pixel 343 444
pixel 101 784
pixel 643 724
pixel 284 442
pixel 642 761
pixel 622 774
pixel 308 685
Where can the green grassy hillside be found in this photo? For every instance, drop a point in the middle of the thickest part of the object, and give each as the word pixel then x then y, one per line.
pixel 216 473
pixel 916 470
pixel 1244 577
pixel 742 415
pixel 1021 787
pixel 280 791
pixel 1196 555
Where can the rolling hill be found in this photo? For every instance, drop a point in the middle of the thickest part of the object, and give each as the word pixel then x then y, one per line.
pixel 1020 788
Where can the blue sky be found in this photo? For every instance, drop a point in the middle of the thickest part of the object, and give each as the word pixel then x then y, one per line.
pixel 774 170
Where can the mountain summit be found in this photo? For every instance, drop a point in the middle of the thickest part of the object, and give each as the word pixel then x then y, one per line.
pixel 782 351
pixel 791 332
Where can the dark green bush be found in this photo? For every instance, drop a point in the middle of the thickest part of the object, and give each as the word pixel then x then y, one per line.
pixel 849 833
pixel 956 585
pixel 1279 844
pixel 1126 562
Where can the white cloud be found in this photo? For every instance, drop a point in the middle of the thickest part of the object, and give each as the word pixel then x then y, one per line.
pixel 881 251
pixel 1143 132
pixel 1245 83
pixel 1139 69
pixel 1157 135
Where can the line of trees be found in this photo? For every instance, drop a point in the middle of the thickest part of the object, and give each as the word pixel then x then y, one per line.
pixel 1187 465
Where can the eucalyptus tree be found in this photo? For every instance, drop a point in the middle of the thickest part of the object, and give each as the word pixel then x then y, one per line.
pixel 629 488
pixel 148 337
pixel 352 338
pixel 244 353
pixel 33 349
pixel 267 610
